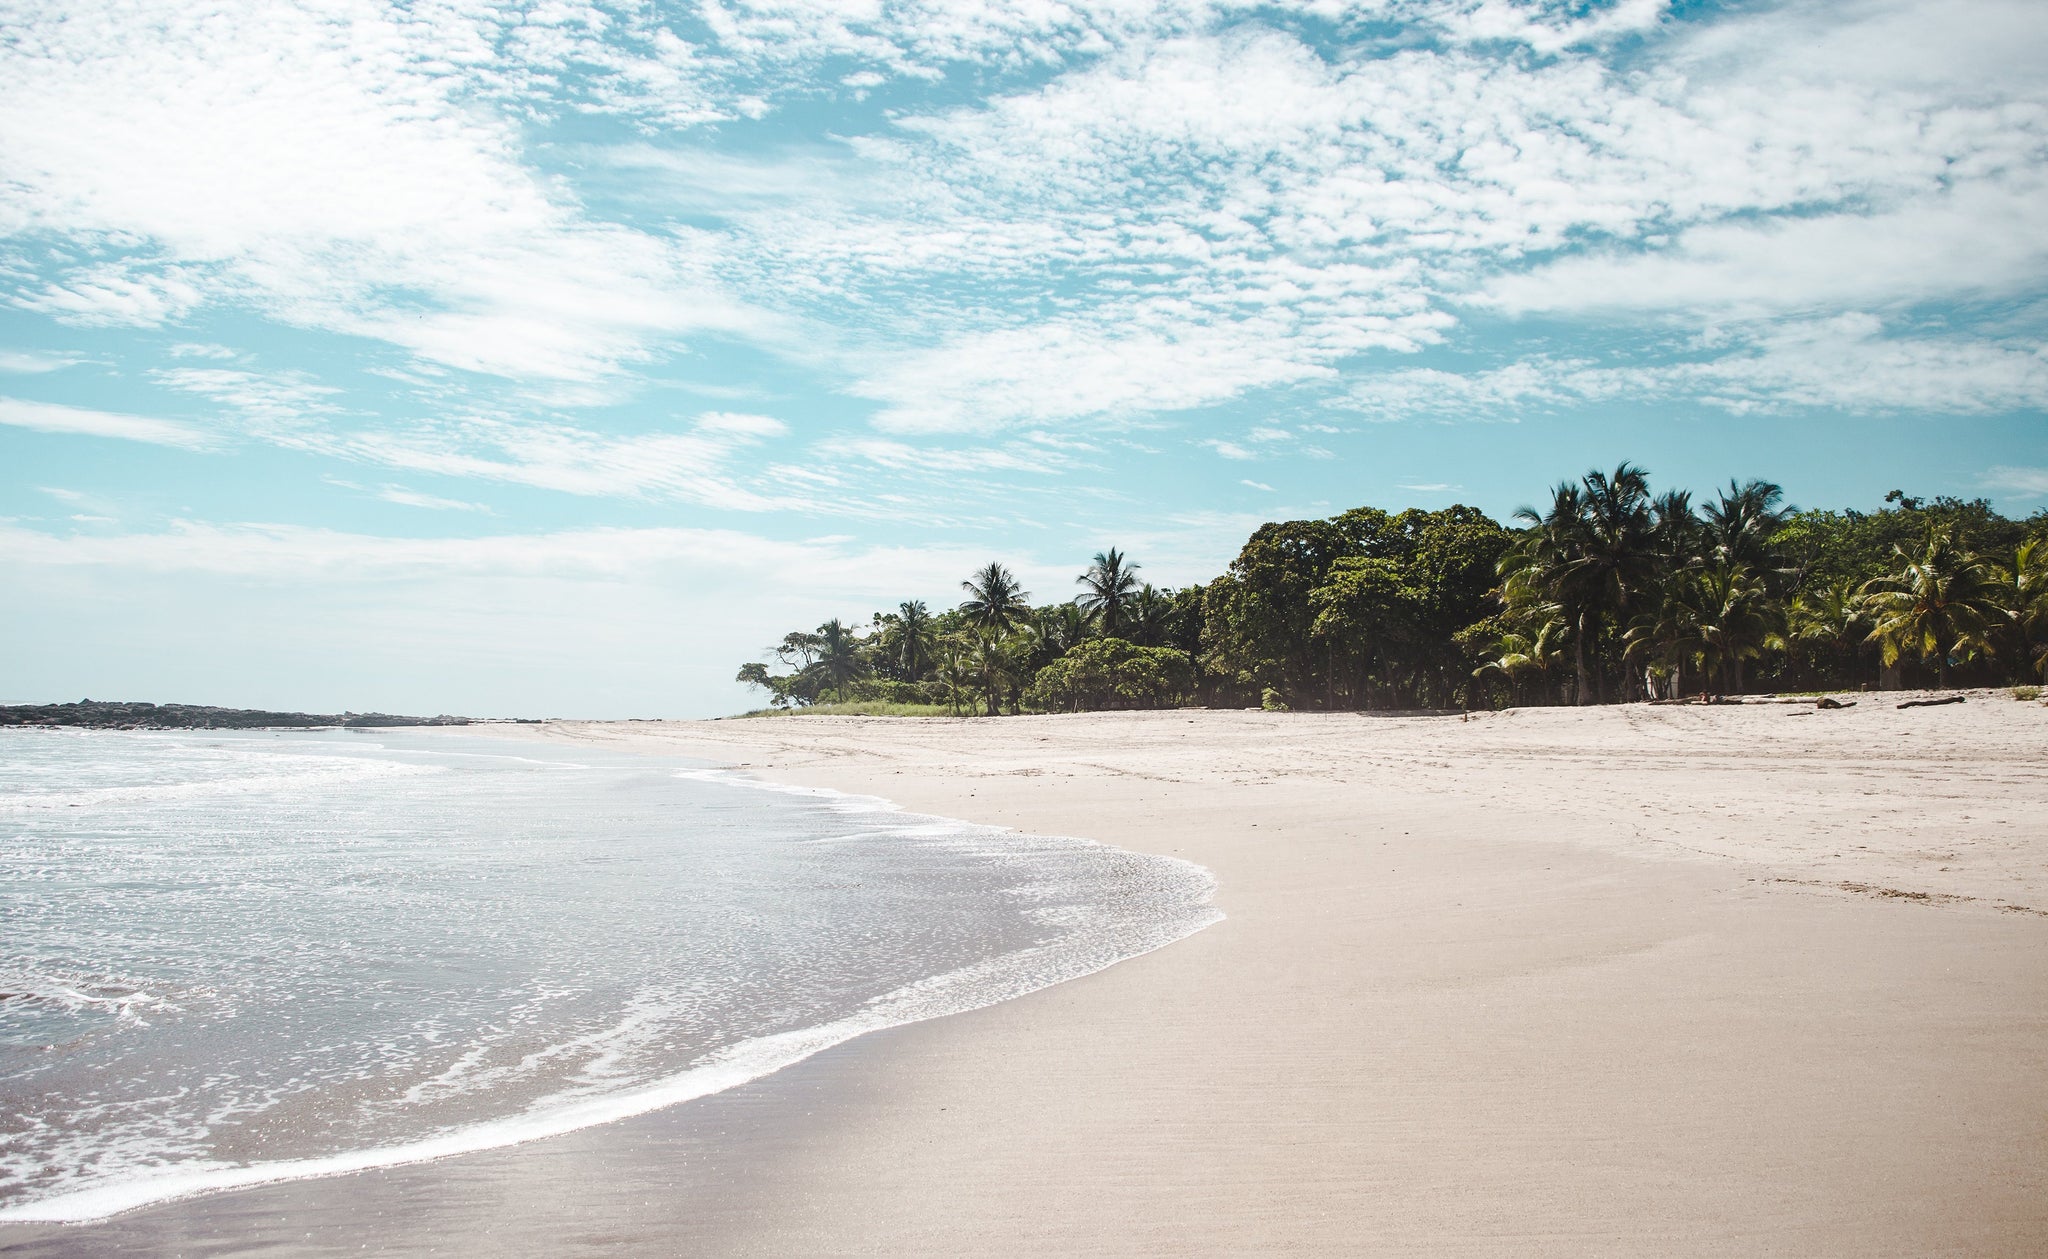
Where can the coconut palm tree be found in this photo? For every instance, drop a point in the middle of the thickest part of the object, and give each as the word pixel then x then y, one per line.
pixel 996 664
pixel 909 640
pixel 2024 589
pixel 1941 602
pixel 956 675
pixel 1523 656
pixel 1544 570
pixel 1111 582
pixel 995 601
pixel 1150 610
pixel 1619 545
pixel 840 659
pixel 1831 619
pixel 1678 532
pixel 1596 554
pixel 1743 520
pixel 1667 633
pixel 1736 617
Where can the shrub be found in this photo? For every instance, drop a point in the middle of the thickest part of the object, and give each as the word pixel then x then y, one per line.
pixel 1272 701
pixel 1111 673
pixel 2026 693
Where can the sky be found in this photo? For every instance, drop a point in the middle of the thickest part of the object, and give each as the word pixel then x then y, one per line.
pixel 552 359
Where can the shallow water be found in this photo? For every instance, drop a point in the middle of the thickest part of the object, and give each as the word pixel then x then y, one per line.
pixel 233 958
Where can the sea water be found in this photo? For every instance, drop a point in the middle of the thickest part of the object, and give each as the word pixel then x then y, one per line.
pixel 232 958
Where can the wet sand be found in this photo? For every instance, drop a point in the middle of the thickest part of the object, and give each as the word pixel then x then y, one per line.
pixel 1627 981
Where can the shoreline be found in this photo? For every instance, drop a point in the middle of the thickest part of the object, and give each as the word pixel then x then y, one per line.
pixel 1698 981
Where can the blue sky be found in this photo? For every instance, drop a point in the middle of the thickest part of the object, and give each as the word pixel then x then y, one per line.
pixel 552 358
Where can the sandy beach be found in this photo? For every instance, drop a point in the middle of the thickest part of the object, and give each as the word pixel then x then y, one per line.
pixel 1624 981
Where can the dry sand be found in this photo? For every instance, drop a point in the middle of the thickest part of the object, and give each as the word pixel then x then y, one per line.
pixel 1628 981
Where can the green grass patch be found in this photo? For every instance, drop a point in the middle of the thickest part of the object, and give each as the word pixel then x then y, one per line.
pixel 858 708
pixel 2026 693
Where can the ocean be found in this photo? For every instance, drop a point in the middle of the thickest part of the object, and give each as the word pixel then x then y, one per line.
pixel 235 958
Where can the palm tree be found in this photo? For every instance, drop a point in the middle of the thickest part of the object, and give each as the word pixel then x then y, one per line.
pixel 2024 589
pixel 1619 543
pixel 840 661
pixel 1111 583
pixel 995 601
pixel 910 640
pixel 955 674
pixel 1522 655
pixel 1678 532
pixel 1541 571
pixel 1668 632
pixel 1833 619
pixel 1742 521
pixel 994 661
pixel 1941 602
pixel 1150 609
pixel 1736 617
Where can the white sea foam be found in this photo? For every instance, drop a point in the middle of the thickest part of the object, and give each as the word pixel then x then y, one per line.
pixel 453 1069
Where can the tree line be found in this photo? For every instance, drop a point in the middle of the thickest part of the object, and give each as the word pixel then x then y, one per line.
pixel 1606 592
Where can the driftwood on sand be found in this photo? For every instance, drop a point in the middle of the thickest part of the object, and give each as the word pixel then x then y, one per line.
pixel 1933 703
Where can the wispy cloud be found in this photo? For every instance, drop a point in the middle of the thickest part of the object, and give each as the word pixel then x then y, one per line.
pixel 28 363
pixel 331 169
pixel 2025 481
pixel 1845 363
pixel 50 417
pixel 433 502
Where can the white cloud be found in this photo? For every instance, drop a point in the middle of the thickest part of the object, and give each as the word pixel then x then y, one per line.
pixel 903 456
pixel 1970 243
pixel 1229 450
pixel 433 502
pixel 117 294
pixel 330 167
pixel 739 424
pixel 270 405
pixel 28 363
pixel 50 417
pixel 693 467
pixel 828 568
pixel 1257 485
pixel 2025 481
pixel 1846 363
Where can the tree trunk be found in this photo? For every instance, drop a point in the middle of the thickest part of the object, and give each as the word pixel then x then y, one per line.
pixel 1579 687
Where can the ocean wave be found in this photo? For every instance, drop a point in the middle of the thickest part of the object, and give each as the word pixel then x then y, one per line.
pixel 556 1052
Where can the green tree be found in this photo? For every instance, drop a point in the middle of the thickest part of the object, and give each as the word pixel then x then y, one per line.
pixel 1152 611
pixel 840 658
pixel 1260 624
pixel 909 641
pixel 995 601
pixel 1735 616
pixel 1365 615
pixel 1742 523
pixel 1542 577
pixel 1112 673
pixel 955 674
pixel 1832 622
pixel 2023 588
pixel 1941 602
pixel 1109 586
pixel 996 665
